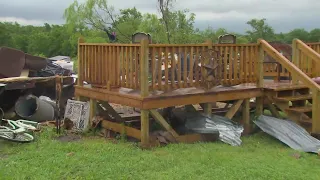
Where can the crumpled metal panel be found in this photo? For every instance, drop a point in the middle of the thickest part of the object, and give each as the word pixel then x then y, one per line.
pixel 229 131
pixel 289 133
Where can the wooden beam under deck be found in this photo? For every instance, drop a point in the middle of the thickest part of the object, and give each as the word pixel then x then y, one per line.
pixel 168 99
pixel 109 96
pixel 153 103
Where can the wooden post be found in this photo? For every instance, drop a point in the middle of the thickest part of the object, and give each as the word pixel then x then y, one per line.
pixel 246 116
pixel 207 109
pixel 93 110
pixel 144 88
pixel 259 100
pixel 315 111
pixel 260 66
pixel 80 68
pixel 295 59
pixel 144 68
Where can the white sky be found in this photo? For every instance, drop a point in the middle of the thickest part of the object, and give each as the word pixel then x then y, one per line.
pixel 282 15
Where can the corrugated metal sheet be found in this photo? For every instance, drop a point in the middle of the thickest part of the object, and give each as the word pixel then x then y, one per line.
pixel 289 133
pixel 229 131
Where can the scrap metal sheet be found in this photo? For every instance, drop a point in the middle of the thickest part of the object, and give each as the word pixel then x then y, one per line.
pixel 289 133
pixel 229 131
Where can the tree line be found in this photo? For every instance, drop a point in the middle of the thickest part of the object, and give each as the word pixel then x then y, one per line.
pixel 95 20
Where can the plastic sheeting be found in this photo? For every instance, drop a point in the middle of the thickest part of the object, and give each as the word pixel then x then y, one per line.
pixel 229 131
pixel 289 133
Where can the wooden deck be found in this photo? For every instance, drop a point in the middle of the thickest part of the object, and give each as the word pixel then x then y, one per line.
pixel 141 76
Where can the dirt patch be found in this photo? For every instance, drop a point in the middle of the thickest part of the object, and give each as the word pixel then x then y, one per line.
pixel 4 156
pixel 69 138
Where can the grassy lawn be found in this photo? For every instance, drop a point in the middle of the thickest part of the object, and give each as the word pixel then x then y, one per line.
pixel 259 157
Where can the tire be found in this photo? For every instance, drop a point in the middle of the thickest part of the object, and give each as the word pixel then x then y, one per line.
pixel 21 138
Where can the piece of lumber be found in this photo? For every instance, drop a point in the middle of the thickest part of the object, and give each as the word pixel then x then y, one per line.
pixel 234 108
pixel 111 111
pixel 145 135
pixel 120 128
pixel 157 116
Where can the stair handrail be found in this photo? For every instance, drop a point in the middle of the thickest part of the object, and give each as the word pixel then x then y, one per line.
pixel 288 65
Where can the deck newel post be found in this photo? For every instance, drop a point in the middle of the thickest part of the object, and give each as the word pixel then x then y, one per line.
pixel 208 106
pixel 259 100
pixel 144 88
pixel 295 59
pixel 315 111
pixel 80 68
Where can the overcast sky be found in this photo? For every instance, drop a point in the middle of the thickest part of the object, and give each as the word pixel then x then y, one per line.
pixel 282 15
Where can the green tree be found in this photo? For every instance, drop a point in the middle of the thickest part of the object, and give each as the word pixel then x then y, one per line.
pixel 260 29
pixel 314 35
pixel 301 34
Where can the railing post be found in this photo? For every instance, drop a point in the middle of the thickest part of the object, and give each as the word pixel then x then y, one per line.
pixel 80 68
pixel 144 91
pixel 207 106
pixel 144 68
pixel 295 59
pixel 260 66
pixel 315 111
pixel 259 100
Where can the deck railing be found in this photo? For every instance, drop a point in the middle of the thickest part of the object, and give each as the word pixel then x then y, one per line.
pixel 169 67
pixel 306 58
pixel 315 46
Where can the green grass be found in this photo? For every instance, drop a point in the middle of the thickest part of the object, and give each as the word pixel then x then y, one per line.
pixel 259 157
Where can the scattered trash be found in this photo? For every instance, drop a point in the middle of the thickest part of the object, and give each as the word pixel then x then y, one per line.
pixel 229 132
pixel 17 131
pixel 32 108
pixel 78 113
pixel 289 133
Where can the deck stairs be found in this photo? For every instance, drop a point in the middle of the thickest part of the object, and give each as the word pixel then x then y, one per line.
pixel 295 101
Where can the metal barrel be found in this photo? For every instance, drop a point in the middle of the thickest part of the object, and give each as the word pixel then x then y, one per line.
pixel 32 108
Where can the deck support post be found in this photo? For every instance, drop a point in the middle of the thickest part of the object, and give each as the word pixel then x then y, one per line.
pixel 207 109
pixel 259 100
pixel 144 91
pixel 316 111
pixel 93 110
pixel 80 68
pixel 246 116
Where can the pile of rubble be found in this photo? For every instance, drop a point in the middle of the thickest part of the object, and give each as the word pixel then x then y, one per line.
pixel 28 86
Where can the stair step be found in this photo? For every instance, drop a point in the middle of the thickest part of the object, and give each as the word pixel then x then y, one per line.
pixel 294 98
pixel 287 87
pixel 303 109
